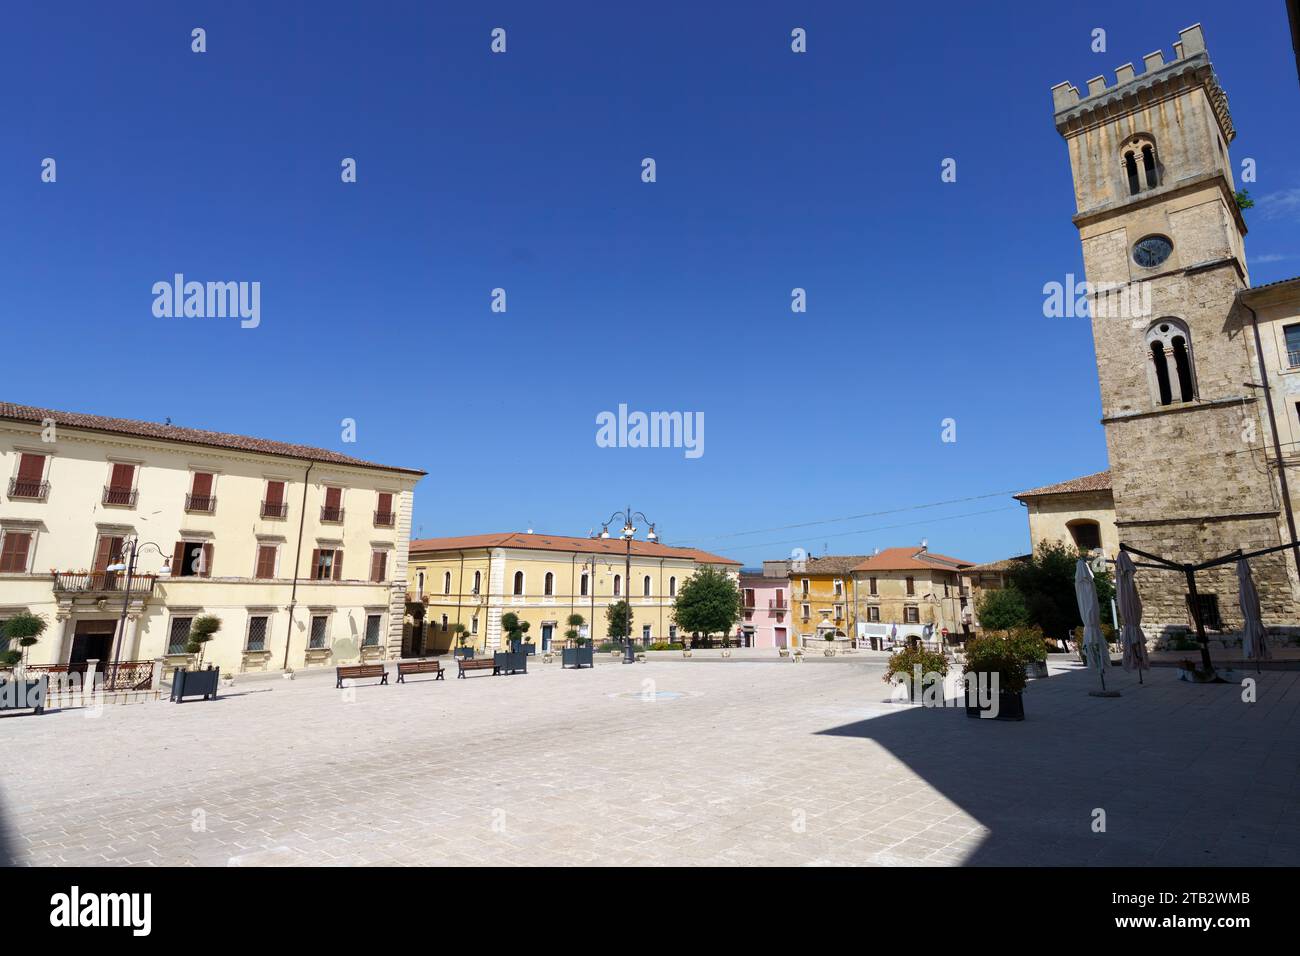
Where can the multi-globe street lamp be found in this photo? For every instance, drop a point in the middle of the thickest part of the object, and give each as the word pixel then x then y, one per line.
pixel 628 533
pixel 132 547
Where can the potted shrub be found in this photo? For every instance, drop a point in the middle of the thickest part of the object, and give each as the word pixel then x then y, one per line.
pixel 1030 646
pixel 23 629
pixel 989 656
pixel 198 682
pixel 515 633
pixel 461 632
pixel 578 653
pixel 829 651
pixel 916 668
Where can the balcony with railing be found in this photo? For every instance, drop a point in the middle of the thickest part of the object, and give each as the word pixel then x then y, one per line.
pixel 331 515
pixel 275 509
pixel 383 519
pixel 119 497
pixel 777 604
pixel 102 582
pixel 201 504
pixel 28 490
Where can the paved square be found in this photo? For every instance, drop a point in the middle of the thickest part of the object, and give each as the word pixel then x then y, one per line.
pixel 734 762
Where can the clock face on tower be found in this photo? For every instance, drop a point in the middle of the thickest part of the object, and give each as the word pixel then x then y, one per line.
pixel 1152 251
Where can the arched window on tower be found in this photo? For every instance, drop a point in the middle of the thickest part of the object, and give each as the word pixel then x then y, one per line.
pixel 1170 368
pixel 519 584
pixel 548 587
pixel 1141 164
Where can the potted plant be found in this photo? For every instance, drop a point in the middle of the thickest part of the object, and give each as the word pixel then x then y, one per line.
pixel 829 650
pixel 579 654
pixel 460 631
pixel 24 629
pixel 918 669
pixel 990 657
pixel 1030 646
pixel 198 682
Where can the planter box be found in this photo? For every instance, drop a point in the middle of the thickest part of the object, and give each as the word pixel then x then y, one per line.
pixel 1010 706
pixel 511 662
pixel 16 694
pixel 829 651
pixel 195 683
pixel 577 657
pixel 466 652
pixel 1036 669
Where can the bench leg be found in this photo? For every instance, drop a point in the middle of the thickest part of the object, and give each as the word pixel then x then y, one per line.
pixel 401 678
pixel 440 673
pixel 384 680
pixel 339 684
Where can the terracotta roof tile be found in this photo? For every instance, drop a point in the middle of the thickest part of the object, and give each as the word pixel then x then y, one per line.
pixel 190 436
pixel 554 542
pixel 1097 482
pixel 911 559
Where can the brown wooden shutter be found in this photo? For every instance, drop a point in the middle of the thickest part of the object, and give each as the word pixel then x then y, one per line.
pixel 31 467
pixel 104 554
pixel 338 565
pixel 385 503
pixel 207 561
pixel 202 485
pixel 275 492
pixel 332 498
pixel 178 558
pixel 122 477
pixel 13 557
pixel 378 565
pixel 314 573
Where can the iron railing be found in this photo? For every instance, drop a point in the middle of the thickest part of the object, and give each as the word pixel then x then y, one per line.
pixel 26 488
pixel 122 676
pixel 331 514
pixel 275 509
pixel 384 519
pixel 119 496
pixel 205 504
pixel 93 581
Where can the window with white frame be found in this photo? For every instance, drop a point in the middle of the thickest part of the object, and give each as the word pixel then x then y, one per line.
pixel 319 631
pixel 257 627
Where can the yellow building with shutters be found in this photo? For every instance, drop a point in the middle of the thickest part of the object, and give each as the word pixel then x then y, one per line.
pixel 542 579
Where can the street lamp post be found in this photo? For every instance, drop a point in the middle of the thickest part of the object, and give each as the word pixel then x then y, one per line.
pixel 134 547
pixel 629 532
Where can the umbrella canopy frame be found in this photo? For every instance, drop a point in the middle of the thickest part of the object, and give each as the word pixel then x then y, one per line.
pixel 1189 571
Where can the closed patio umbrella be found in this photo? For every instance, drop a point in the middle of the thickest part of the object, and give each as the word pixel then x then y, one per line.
pixel 1132 639
pixel 1095 651
pixel 1254 639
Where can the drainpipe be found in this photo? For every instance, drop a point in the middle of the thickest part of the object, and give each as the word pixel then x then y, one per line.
pixel 1272 424
pixel 297 558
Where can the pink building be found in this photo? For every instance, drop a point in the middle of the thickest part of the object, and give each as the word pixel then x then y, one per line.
pixel 765 610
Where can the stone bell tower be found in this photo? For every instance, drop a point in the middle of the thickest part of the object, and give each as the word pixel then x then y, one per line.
pixel 1163 248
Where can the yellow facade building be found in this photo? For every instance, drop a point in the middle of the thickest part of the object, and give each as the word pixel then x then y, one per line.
pixel 301 552
pixel 542 579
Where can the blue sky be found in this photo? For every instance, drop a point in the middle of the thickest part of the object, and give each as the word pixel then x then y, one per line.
pixel 522 171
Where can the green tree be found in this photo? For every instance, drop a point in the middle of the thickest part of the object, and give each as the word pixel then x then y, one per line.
pixel 459 632
pixel 1046 581
pixel 515 629
pixel 618 620
pixel 1001 610
pixel 26 629
pixel 708 603
pixel 201 631
pixel 574 634
pixel 1243 199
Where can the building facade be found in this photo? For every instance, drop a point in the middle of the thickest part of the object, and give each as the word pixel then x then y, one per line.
pixel 1187 425
pixel 300 552
pixel 765 610
pixel 905 589
pixel 1079 512
pixel 543 579
pixel 821 593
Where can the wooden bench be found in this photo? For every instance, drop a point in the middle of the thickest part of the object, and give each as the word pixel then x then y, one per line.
pixel 418 667
pixel 357 671
pixel 476 664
